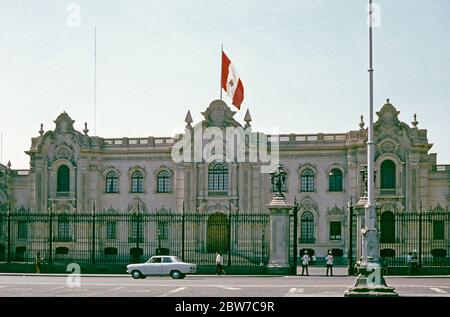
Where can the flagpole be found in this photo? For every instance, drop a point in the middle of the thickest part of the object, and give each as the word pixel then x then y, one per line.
pixel 221 61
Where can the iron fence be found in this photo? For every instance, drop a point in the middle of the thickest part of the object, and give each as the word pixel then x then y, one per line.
pixel 424 234
pixel 124 237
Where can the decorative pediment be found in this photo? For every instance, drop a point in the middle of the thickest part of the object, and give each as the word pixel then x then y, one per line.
pixel 438 208
pixel 335 210
pixel 63 206
pixel 388 145
pixel 218 114
pixel 137 206
pixel 308 204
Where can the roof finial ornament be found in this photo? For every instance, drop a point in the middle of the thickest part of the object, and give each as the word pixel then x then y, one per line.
pixel 415 122
pixel 361 124
pixel 9 165
pixel 247 119
pixel 41 131
pixel 188 119
pixel 388 101
pixel 86 130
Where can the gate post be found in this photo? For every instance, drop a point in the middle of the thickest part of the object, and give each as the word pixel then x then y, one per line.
pixel 279 210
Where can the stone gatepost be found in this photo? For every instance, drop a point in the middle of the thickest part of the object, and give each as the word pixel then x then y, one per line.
pixel 279 210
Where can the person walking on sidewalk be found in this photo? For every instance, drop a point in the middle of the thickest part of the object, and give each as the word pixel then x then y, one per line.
pixel 330 259
pixel 219 264
pixel 305 262
pixel 38 262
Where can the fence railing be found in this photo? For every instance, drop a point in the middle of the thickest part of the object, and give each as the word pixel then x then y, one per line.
pixel 426 233
pixel 124 237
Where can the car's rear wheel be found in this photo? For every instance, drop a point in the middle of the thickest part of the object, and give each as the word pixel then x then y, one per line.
pixel 136 274
pixel 176 274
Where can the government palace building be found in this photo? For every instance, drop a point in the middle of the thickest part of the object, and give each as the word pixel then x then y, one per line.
pixel 74 172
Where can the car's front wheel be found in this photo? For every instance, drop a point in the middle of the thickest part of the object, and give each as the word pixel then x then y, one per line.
pixel 176 274
pixel 136 274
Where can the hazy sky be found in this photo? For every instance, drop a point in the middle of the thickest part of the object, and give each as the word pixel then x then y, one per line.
pixel 303 65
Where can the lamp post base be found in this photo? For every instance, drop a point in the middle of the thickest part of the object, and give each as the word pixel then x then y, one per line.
pixel 370 283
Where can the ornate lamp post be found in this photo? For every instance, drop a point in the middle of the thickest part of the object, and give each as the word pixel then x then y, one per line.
pixel 370 281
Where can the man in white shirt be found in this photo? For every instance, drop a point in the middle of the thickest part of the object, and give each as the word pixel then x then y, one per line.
pixel 330 259
pixel 305 262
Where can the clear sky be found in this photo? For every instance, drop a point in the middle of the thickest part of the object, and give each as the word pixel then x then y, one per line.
pixel 303 64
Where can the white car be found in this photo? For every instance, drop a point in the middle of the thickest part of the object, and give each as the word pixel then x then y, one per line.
pixel 162 265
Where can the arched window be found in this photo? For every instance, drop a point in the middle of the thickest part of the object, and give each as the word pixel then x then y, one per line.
pixel 63 177
pixel 218 177
pixel 163 182
pixel 307 181
pixel 307 228
pixel 112 182
pixel 335 180
pixel 137 182
pixel 387 175
pixel 387 227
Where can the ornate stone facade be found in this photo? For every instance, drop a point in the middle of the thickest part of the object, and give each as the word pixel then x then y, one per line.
pixel 414 179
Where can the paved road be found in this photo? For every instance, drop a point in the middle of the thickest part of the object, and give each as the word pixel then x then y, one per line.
pixel 206 286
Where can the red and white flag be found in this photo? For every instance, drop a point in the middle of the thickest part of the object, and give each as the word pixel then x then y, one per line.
pixel 231 82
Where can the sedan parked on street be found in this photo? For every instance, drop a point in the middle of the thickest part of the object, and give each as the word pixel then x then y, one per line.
pixel 161 265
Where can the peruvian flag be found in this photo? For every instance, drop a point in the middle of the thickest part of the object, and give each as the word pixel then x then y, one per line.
pixel 231 82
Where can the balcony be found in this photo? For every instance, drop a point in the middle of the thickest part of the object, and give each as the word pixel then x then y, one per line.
pixel 307 240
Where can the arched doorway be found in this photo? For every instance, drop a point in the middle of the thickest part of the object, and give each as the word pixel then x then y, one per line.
pixel 217 234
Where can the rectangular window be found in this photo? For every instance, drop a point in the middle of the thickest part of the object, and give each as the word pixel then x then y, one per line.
pixel 163 230
pixel 335 230
pixel 438 230
pixel 22 230
pixel 137 231
pixel 111 230
pixel 63 231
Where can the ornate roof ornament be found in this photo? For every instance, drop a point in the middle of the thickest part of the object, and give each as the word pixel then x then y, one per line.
pixel 415 122
pixel 188 119
pixel 64 123
pixel 247 119
pixel 361 124
pixel 388 115
pixel 41 131
pixel 218 114
pixel 86 130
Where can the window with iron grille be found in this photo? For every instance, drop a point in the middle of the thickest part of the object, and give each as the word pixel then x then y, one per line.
pixel 137 182
pixel 335 180
pixel 22 230
pixel 388 175
pixel 307 181
pixel 438 230
pixel 112 182
pixel 218 177
pixel 135 227
pixel 163 182
pixel 307 228
pixel 335 230
pixel 163 230
pixel 111 230
pixel 63 178
pixel 63 230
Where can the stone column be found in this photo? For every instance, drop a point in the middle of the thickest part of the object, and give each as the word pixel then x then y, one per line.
pixel 279 210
